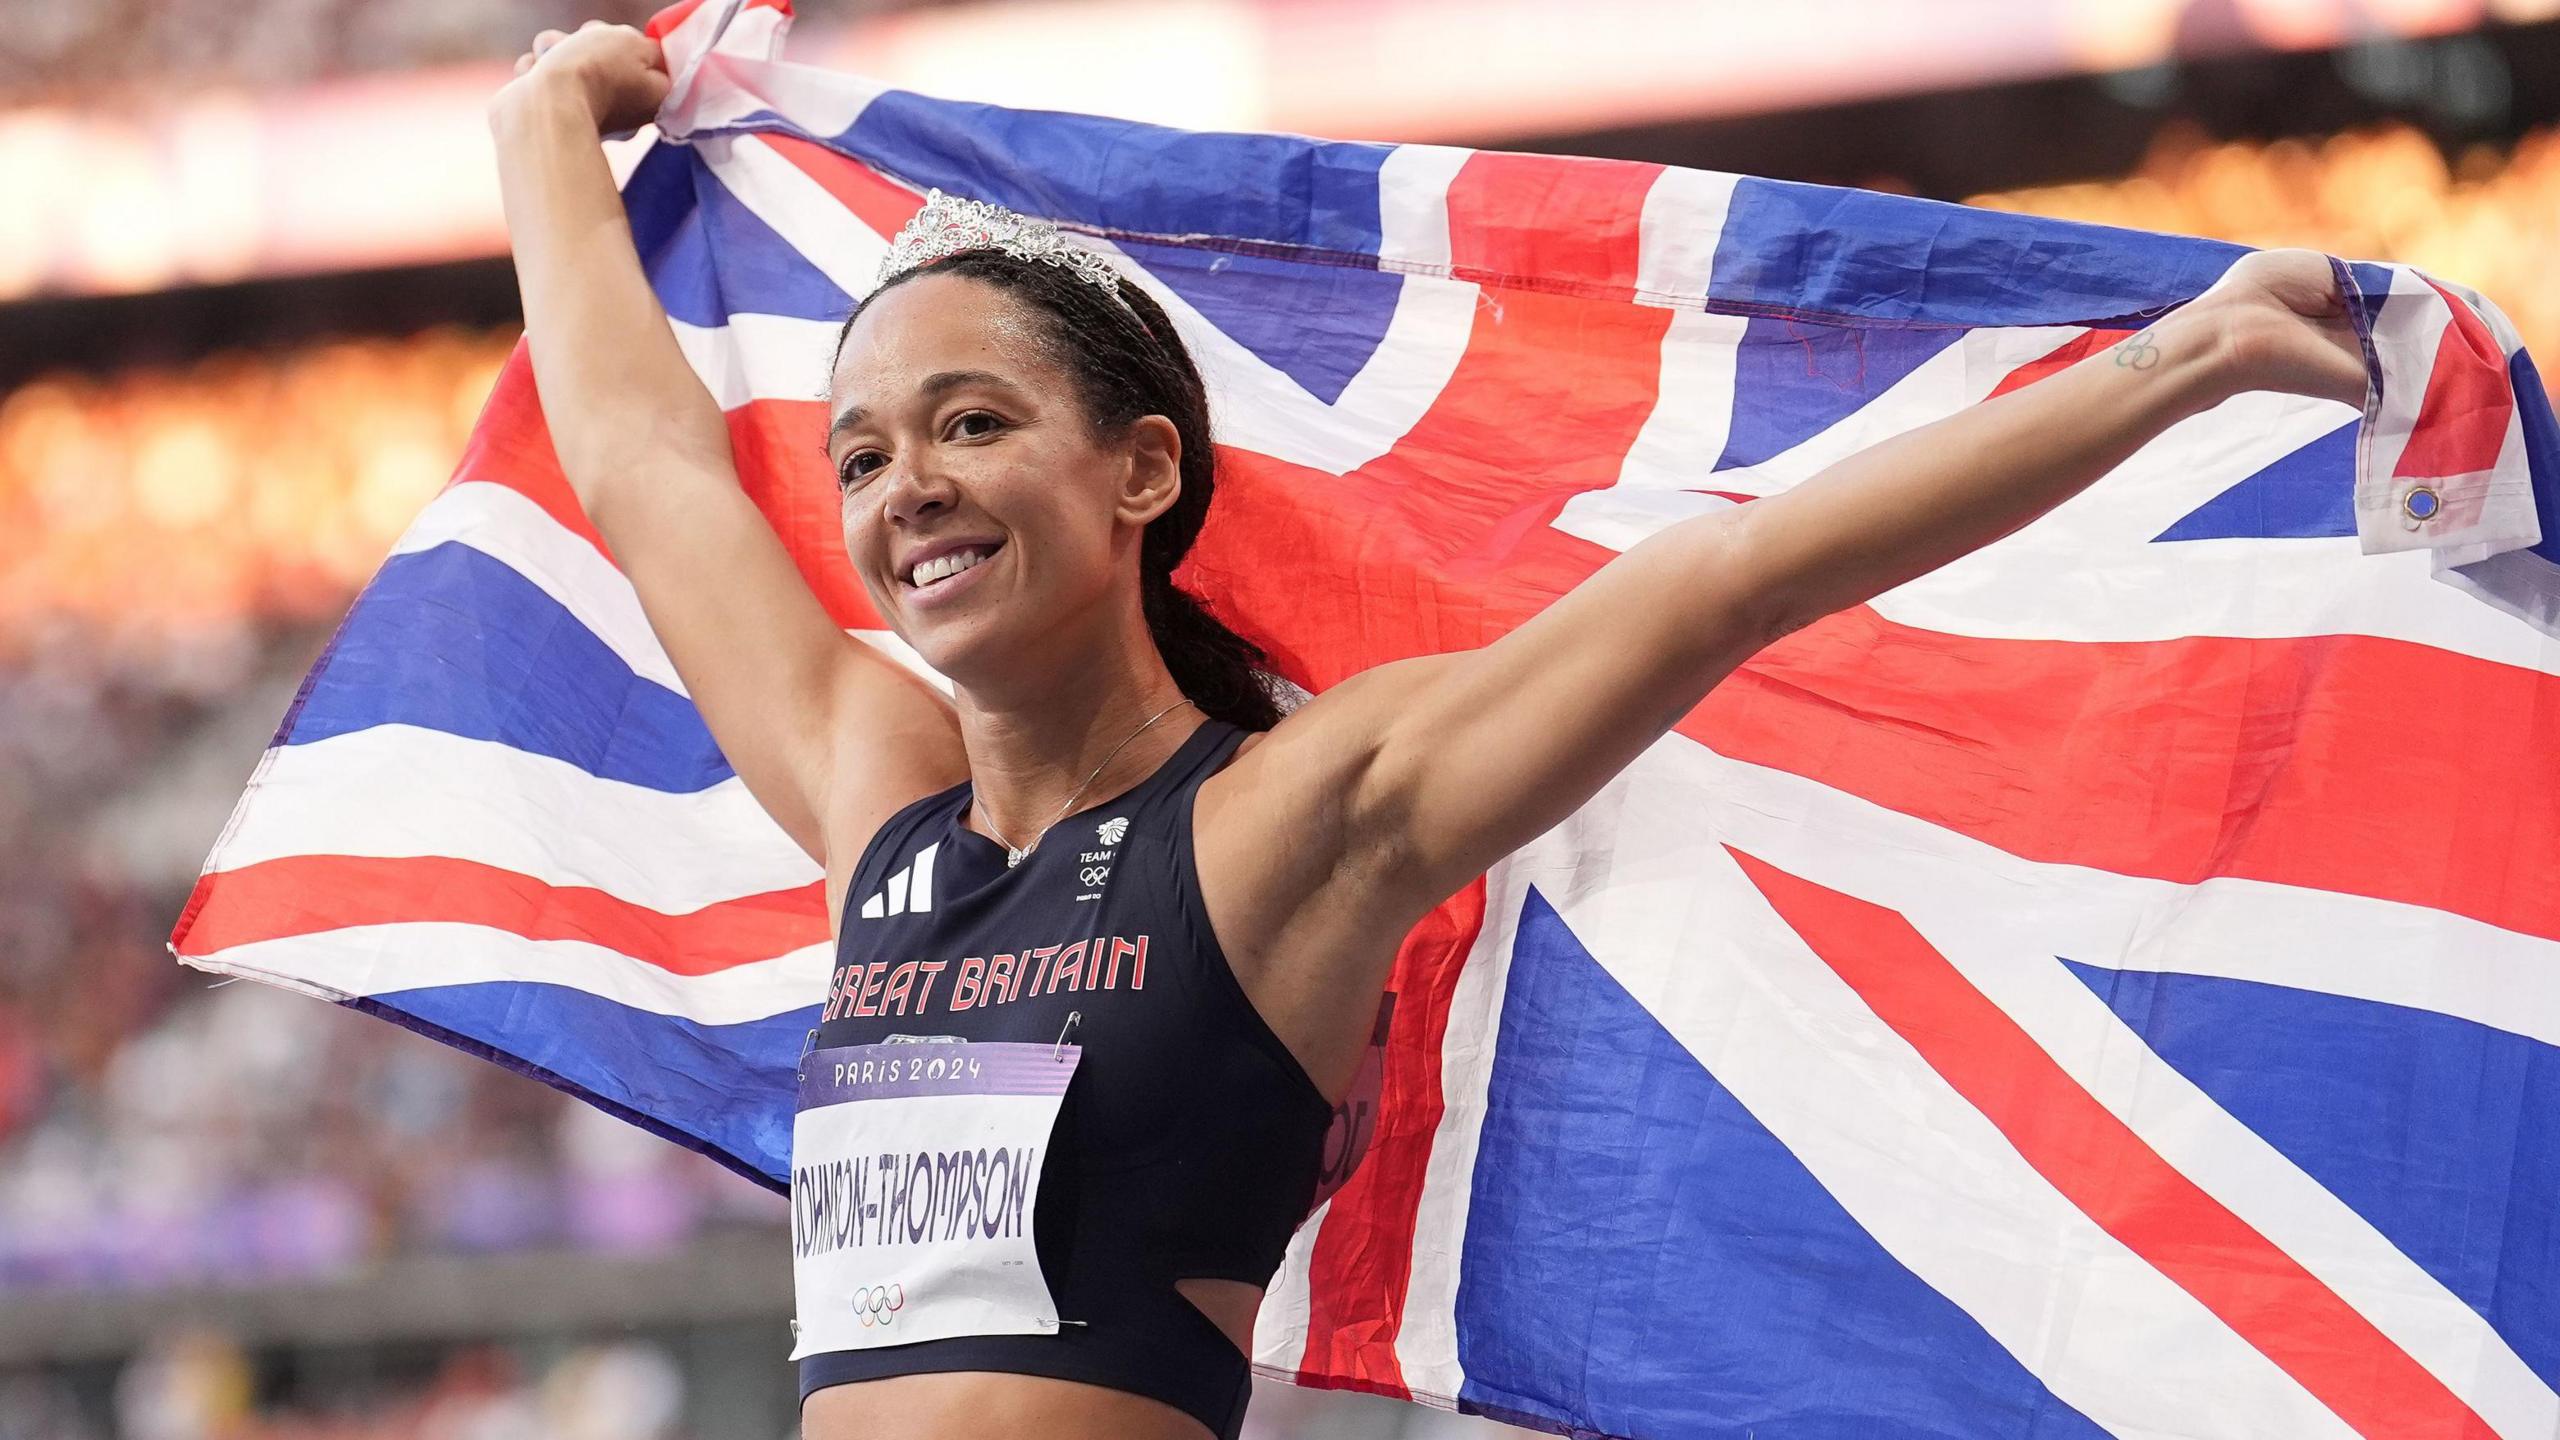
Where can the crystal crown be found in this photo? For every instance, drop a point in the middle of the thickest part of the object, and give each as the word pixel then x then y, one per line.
pixel 949 224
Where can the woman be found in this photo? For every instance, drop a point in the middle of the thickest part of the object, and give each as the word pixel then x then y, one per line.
pixel 1108 849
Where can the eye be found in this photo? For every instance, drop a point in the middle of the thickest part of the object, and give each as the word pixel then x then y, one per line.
pixel 985 423
pixel 858 466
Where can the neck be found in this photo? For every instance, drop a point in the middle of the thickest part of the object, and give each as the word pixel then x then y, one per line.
pixel 1033 741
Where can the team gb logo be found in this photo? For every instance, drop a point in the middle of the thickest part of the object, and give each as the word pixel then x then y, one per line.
pixel 1113 829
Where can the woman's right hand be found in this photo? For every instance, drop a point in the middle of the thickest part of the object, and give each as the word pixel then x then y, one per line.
pixel 619 74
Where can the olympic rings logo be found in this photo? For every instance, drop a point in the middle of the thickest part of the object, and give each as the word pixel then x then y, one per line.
pixel 1094 874
pixel 879 1304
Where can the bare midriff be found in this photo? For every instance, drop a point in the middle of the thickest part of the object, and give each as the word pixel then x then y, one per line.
pixel 971 1404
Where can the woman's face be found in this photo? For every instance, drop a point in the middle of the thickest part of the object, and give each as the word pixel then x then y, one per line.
pixel 980 510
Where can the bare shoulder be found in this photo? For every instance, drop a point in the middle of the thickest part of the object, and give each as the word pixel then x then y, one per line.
pixel 882 757
pixel 1308 917
pixel 1291 794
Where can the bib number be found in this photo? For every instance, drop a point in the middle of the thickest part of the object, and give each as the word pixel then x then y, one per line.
pixel 915 1171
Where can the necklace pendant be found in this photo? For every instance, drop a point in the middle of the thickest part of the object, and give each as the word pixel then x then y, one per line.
pixel 1013 853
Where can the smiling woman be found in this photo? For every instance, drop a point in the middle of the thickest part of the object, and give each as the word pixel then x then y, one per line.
pixel 1141 1031
pixel 1050 373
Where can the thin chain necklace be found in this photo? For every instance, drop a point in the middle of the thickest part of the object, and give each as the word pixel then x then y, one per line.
pixel 1013 853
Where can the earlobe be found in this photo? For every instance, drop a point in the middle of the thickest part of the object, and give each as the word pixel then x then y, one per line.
pixel 1154 479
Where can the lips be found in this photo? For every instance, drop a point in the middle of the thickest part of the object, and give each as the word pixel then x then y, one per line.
pixel 946 566
pixel 943 560
pixel 945 571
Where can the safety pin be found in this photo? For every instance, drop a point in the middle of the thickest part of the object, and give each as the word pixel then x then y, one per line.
pixel 1074 1017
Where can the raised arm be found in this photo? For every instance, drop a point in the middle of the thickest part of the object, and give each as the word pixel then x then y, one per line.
pixel 1442 765
pixel 646 448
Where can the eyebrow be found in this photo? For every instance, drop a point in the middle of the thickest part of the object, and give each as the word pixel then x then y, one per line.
pixel 935 387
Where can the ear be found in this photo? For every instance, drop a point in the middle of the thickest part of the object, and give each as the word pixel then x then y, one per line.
pixel 1154 478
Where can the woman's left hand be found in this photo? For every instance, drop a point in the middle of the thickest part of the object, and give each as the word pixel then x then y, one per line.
pixel 2282 325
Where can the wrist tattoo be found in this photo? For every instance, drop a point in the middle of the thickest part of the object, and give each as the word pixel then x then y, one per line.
pixel 2139 352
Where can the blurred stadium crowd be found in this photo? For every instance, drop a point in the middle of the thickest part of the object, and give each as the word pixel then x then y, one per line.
pixel 52 50
pixel 182 541
pixel 2488 216
pixel 193 532
pixel 179 540
pixel 194 1149
pixel 201 1386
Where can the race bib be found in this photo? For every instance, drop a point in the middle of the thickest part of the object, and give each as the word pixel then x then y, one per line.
pixel 915 1170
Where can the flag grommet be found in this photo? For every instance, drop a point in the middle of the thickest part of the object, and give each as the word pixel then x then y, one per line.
pixel 2421 503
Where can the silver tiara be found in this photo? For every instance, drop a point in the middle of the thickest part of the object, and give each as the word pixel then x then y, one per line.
pixel 949 224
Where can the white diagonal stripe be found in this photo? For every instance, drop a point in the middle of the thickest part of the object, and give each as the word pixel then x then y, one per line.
pixel 2003 921
pixel 401 790
pixel 1261 408
pixel 374 960
pixel 1677 922
pixel 760 357
pixel 1258 406
pixel 819 229
pixel 2089 570
pixel 501 523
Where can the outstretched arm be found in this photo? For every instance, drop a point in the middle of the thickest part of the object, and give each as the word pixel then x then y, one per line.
pixel 1442 765
pixel 646 448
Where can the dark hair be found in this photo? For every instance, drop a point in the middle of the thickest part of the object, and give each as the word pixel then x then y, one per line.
pixel 1128 363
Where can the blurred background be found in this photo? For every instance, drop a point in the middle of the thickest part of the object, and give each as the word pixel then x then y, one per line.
pixel 253 290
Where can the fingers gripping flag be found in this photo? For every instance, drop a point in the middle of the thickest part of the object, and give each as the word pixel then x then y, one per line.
pixel 2110 986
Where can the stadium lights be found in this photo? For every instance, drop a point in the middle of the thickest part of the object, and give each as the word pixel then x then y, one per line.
pixel 395 170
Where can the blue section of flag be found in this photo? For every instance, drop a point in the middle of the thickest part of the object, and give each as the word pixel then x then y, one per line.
pixel 1642 1256
pixel 1811 250
pixel 1119 175
pixel 452 639
pixel 2365 288
pixel 2373 286
pixel 1794 379
pixel 666 230
pixel 723 1079
pixel 757 271
pixel 1756 1306
pixel 2541 448
pixel 2309 493
pixel 1316 324
pixel 2435 1129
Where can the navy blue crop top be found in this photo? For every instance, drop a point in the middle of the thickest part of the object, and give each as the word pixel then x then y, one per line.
pixel 1189 1141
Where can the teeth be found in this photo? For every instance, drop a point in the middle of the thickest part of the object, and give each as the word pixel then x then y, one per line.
pixel 945 566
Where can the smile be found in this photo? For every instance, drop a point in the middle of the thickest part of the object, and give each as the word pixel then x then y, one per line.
pixel 940 572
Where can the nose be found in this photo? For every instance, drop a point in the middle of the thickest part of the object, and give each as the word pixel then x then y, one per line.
pixel 915 491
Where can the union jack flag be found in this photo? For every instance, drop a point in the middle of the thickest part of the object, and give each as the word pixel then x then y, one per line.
pixel 2109 986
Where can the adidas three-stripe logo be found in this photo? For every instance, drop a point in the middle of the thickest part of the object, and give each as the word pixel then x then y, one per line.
pixel 910 889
